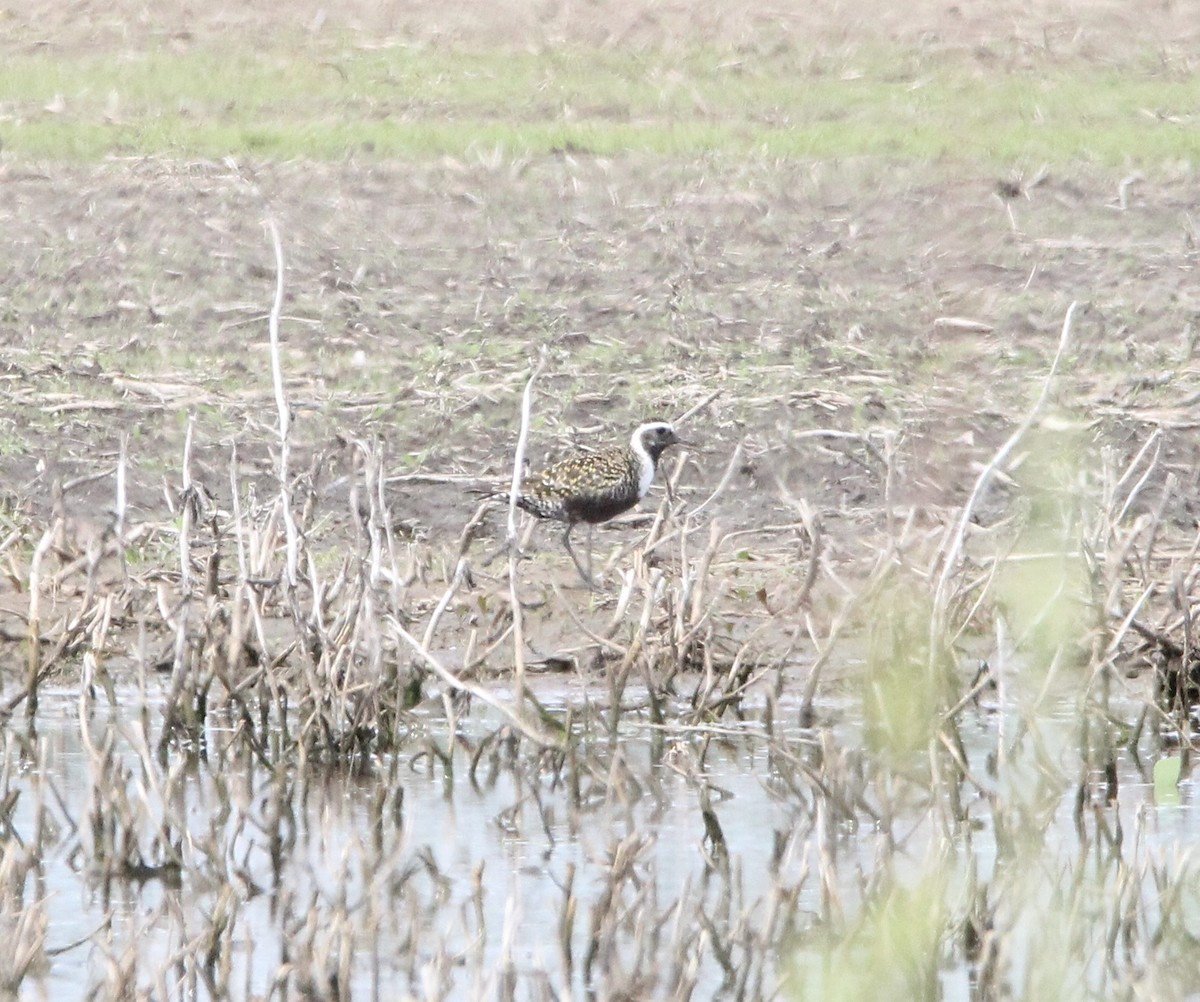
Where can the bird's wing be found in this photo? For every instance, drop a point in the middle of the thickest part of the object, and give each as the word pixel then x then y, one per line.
pixel 580 470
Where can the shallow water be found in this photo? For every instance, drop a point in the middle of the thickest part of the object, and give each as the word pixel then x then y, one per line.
pixel 415 878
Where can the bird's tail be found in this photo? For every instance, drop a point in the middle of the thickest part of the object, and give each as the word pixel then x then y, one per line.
pixel 490 493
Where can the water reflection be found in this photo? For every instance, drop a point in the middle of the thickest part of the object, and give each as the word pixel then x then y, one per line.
pixel 657 861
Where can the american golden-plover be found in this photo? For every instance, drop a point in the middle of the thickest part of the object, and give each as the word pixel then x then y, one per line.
pixel 593 487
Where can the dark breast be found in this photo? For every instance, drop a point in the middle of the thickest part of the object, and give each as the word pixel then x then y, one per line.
pixel 600 506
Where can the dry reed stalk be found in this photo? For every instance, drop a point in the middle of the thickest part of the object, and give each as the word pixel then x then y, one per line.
pixel 120 513
pixel 810 521
pixel 245 596
pixel 510 536
pixel 462 574
pixel 955 541
pixel 566 923
pixel 655 535
pixel 825 648
pixel 283 412
pixel 624 597
pixel 694 582
pixel 519 719
pixel 189 512
pixel 652 594
pixel 569 610
pixel 514 490
pixel 1155 441
pixel 734 464
pixel 377 488
pixel 34 663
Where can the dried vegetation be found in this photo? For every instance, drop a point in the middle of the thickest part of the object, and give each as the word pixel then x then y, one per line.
pixel 252 719
pixel 889 694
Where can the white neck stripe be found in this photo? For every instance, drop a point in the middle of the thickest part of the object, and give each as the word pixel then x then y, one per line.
pixel 646 475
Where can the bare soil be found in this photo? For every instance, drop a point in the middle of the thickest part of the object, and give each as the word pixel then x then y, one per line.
pixel 875 330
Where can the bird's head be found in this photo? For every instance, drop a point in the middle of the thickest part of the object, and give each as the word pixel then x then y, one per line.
pixel 654 438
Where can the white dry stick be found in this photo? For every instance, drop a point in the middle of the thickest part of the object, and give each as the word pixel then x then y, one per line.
pixel 35 601
pixel 389 535
pixel 185 515
pixel 510 540
pixel 955 543
pixel 289 522
pixel 512 921
pixel 514 490
pixel 240 530
pixel 179 669
pixel 119 521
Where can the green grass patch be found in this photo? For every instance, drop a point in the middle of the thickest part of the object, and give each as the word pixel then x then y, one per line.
pixel 298 101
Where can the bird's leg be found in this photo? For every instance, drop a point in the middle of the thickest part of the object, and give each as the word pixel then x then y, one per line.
pixel 587 577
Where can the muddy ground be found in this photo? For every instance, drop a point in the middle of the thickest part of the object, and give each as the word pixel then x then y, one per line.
pixel 874 331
